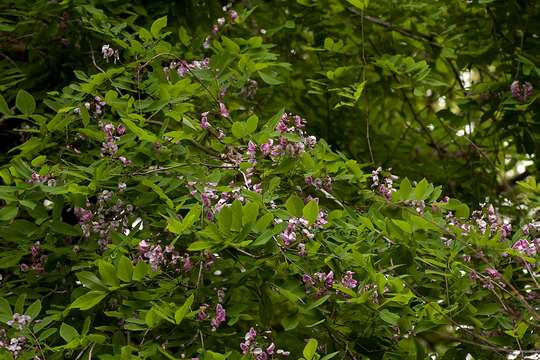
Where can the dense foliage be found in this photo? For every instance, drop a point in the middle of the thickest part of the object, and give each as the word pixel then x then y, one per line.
pixel 191 181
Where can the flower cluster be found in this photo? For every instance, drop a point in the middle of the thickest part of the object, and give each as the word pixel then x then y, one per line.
pixel 157 256
pixel 19 321
pixel 324 184
pixel 289 125
pixel 521 91
pixel 94 107
pixel 210 194
pixel 529 245
pixel 104 217
pixel 38 260
pixel 384 187
pixel 41 179
pixel 13 345
pixel 205 124
pixel 300 227
pixel 487 217
pixel 109 147
pixel 233 17
pixel 250 346
pixel 219 318
pixel 182 67
pixel 322 282
pixel 108 53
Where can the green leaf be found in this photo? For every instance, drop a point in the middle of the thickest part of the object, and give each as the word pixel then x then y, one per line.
pixel 200 245
pixel 5 310
pixel 25 102
pixel 269 79
pixel 310 349
pixel 184 36
pixel 107 272
pixel 423 190
pixel 88 300
pixel 125 269
pixel 8 213
pixel 140 132
pixel 290 323
pixel 251 124
pixel 360 4
pixel 311 211
pixel 183 310
pixel 68 332
pixel 158 25
pixel 179 227
pixel 140 271
pixel 159 192
pixel 237 214
pixel 19 304
pixel 34 309
pixel 230 45
pixel 250 213
pixel 224 220
pixel 389 317
pixel 318 303
pixel 403 225
pixel 238 129
pixel 294 205
pixel 405 189
pixel 329 356
pixel 90 280
pixel 4 107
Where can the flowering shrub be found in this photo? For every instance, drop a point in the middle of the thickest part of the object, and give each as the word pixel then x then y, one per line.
pixel 156 211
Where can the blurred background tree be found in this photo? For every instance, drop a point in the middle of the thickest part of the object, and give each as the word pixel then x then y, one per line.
pixel 422 87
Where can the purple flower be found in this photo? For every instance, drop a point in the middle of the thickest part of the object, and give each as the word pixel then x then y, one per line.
pixel 120 130
pixel 525 247
pixel 201 315
pixel 251 335
pixel 521 92
pixel 288 237
pixel 251 149
pixel 144 247
pixel 308 280
pixel 270 349
pixel 83 215
pixel 219 317
pixel 348 280
pixel 266 148
pixel 493 273
pixel 204 120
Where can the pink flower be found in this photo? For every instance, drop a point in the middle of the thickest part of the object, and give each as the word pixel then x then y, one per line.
pixel 525 247
pixel 251 335
pixel 144 247
pixel 223 110
pixel 233 15
pixel 120 130
pixel 124 160
pixel 348 280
